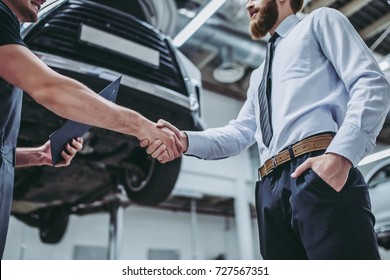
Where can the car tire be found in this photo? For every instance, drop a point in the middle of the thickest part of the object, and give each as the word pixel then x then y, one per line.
pixel 383 237
pixel 53 224
pixel 152 182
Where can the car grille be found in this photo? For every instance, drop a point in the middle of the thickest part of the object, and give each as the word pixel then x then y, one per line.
pixel 58 33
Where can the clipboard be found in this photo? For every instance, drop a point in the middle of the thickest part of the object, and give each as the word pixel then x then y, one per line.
pixel 71 129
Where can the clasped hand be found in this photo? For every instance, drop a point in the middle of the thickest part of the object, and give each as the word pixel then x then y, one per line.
pixel 173 147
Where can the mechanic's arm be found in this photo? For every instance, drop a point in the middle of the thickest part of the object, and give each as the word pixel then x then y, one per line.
pixel 72 100
pixel 42 155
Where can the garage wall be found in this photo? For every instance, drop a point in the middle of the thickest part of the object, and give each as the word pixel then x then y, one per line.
pixel 147 229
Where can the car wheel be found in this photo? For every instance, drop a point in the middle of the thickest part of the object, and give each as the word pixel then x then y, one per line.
pixel 53 223
pixel 149 182
pixel 383 236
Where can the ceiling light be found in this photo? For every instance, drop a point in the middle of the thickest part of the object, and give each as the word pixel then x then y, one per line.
pixel 228 72
pixel 197 22
pixel 187 13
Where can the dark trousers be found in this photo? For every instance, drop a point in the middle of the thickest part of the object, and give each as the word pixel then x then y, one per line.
pixel 6 190
pixel 305 218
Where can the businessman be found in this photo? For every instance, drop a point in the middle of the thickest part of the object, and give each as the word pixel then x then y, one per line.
pixel 315 107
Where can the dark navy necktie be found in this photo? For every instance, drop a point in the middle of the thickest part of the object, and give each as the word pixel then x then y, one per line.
pixel 265 93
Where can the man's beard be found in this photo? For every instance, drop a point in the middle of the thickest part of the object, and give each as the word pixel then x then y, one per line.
pixel 264 20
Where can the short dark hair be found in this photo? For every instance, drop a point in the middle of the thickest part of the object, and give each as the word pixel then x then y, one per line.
pixel 296 5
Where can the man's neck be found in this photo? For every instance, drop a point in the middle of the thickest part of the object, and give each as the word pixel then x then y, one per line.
pixel 283 14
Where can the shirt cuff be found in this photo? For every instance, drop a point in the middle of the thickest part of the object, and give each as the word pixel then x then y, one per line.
pixel 196 144
pixel 351 143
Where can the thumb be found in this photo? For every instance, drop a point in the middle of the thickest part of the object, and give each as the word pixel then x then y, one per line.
pixel 162 123
pixel 144 142
pixel 174 129
pixel 301 168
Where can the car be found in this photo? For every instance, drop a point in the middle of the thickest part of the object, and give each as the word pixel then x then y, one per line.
pixel 94 42
pixel 377 176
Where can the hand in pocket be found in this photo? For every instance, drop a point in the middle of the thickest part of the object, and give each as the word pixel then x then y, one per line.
pixel 331 168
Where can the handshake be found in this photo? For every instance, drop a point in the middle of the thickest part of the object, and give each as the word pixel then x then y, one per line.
pixel 166 142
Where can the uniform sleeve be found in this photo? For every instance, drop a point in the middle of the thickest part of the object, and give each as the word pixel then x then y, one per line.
pixel 9 28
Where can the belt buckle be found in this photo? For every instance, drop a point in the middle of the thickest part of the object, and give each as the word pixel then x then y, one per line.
pixel 274 162
pixel 268 171
pixel 274 165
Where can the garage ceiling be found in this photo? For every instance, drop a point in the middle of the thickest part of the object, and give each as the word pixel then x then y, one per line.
pixel 227 33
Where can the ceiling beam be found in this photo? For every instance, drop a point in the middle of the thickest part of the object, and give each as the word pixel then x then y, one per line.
pixel 315 4
pixel 376 27
pixel 353 6
pixel 209 9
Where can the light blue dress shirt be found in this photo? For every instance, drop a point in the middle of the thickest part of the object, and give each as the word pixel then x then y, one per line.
pixel 324 78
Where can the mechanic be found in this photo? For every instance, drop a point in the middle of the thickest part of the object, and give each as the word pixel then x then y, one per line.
pixel 21 71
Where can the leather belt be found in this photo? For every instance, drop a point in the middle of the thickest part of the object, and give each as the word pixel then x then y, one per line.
pixel 307 145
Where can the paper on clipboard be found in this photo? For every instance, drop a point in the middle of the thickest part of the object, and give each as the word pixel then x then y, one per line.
pixel 71 129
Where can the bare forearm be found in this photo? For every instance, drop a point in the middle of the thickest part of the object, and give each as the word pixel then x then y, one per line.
pixel 30 157
pixel 64 96
pixel 72 100
pixel 42 155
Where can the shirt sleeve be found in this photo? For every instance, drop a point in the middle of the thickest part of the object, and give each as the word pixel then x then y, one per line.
pixel 369 90
pixel 9 28
pixel 230 140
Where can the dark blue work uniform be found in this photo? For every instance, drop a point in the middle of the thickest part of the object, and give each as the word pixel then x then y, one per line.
pixel 10 110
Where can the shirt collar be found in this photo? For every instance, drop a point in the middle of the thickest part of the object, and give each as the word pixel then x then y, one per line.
pixel 287 25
